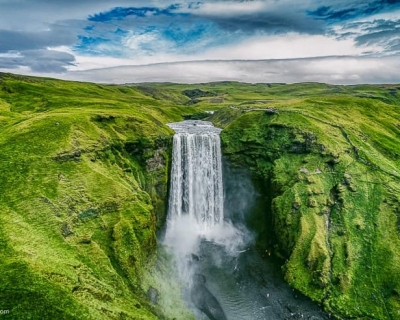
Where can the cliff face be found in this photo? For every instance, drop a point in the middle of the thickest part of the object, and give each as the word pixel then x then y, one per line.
pixel 331 172
pixel 84 172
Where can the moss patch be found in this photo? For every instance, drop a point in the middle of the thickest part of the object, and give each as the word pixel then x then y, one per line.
pixel 334 174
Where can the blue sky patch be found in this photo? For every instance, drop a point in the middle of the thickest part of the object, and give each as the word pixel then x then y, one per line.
pixel 332 14
pixel 184 29
pixel 196 30
pixel 184 34
pixel 120 13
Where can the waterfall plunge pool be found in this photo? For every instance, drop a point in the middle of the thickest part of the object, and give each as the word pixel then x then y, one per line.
pixel 222 274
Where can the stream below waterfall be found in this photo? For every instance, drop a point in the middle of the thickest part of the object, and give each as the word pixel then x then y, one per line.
pixel 223 276
pixel 251 288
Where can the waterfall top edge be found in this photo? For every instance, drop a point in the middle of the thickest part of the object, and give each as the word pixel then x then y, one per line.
pixel 194 126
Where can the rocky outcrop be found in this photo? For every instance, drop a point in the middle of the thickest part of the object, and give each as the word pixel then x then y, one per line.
pixel 327 207
pixel 204 300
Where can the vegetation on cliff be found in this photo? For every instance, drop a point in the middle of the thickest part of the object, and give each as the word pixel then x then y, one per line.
pixel 331 156
pixel 84 171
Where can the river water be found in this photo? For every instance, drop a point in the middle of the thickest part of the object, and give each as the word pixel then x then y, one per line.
pixel 223 276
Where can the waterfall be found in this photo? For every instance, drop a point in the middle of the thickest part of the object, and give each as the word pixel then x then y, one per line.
pixel 196 212
pixel 196 175
pixel 195 220
pixel 221 275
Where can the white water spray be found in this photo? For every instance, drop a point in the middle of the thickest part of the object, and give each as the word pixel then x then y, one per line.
pixel 196 177
pixel 196 207
pixel 196 200
pixel 222 276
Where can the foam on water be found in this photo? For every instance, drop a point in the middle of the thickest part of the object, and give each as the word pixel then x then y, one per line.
pixel 196 203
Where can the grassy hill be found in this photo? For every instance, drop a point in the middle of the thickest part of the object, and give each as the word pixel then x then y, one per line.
pixel 84 172
pixel 83 177
pixel 329 161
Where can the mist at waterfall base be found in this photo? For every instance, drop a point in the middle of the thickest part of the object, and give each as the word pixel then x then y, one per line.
pixel 223 276
pixel 196 209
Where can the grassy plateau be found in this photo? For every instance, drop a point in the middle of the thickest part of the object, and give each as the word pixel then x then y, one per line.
pixel 83 188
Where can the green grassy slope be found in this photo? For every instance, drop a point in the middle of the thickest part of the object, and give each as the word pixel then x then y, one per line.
pixel 332 157
pixel 83 173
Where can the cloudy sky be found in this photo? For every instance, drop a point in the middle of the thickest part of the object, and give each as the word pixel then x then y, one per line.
pixel 334 41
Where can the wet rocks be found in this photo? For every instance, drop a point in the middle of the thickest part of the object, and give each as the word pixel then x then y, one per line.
pixel 204 300
pixel 157 161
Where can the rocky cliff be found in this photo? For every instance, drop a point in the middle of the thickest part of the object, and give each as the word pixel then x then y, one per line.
pixel 84 171
pixel 330 172
pixel 84 175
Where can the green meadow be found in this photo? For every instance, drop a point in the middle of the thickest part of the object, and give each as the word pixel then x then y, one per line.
pixel 84 181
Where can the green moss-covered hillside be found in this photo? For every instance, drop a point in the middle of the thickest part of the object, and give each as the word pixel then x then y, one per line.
pixel 84 175
pixel 84 172
pixel 330 158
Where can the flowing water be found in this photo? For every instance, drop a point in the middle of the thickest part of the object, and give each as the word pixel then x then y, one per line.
pixel 196 177
pixel 223 276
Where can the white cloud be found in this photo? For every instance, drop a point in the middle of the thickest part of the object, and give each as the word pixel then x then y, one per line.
pixel 392 15
pixel 29 15
pixel 261 29
pixel 336 70
pixel 288 47
pixel 87 62
pixel 11 54
pixel 257 48
pixel 148 43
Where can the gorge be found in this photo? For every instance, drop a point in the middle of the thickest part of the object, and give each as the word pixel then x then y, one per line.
pixel 86 169
pixel 214 253
pixel 196 212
